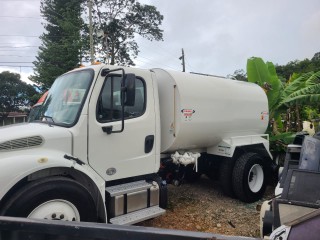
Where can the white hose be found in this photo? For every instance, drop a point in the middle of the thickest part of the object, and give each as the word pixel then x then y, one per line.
pixel 186 158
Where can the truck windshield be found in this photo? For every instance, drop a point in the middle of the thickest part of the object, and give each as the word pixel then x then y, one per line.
pixel 65 98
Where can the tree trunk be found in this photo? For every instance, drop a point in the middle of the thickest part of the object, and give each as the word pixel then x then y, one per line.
pixel 112 53
pixel 275 127
pixel 288 120
pixel 298 119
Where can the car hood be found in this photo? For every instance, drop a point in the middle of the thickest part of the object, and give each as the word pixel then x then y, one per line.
pixel 29 136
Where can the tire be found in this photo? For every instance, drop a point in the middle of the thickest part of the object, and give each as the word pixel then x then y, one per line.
pixel 225 176
pixel 249 177
pixel 191 175
pixel 54 198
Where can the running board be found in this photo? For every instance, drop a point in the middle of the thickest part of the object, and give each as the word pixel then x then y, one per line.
pixel 128 188
pixel 138 216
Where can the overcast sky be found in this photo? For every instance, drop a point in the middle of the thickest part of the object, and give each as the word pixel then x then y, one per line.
pixel 218 36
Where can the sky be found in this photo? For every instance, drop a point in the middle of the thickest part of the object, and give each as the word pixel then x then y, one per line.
pixel 218 36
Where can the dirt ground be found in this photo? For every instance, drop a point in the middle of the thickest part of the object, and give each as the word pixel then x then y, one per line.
pixel 202 206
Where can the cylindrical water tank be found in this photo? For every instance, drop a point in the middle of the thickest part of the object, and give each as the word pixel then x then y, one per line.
pixel 198 111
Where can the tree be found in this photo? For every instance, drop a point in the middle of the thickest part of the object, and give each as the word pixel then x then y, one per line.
pixel 288 101
pixel 121 21
pixel 299 66
pixel 61 46
pixel 289 98
pixel 15 93
pixel 239 74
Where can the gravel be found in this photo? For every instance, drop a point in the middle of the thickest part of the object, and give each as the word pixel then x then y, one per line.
pixel 202 206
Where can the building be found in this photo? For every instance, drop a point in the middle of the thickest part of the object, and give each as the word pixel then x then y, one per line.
pixel 13 117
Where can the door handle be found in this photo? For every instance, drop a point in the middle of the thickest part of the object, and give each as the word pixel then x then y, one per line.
pixel 148 143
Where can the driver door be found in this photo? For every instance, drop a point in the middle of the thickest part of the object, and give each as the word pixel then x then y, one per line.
pixel 124 154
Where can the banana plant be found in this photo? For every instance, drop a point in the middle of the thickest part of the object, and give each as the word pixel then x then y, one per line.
pixel 299 90
pixel 264 74
pixel 304 90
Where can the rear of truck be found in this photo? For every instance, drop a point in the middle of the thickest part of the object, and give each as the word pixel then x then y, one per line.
pixel 215 126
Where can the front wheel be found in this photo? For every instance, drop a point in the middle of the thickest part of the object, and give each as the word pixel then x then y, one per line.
pixel 54 198
pixel 249 177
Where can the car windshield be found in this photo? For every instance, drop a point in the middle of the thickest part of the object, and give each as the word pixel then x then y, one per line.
pixel 65 98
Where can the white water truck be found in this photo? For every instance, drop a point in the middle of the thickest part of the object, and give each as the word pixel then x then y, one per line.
pixel 107 139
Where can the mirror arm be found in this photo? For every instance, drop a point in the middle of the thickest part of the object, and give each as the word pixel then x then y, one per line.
pixel 108 129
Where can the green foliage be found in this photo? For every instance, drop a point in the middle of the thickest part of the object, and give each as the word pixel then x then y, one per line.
pixel 257 71
pixel 289 100
pixel 297 66
pixel 305 90
pixel 61 43
pixel 239 74
pixel 276 87
pixel 121 21
pixel 311 113
pixel 14 93
pixel 279 142
pixel 264 74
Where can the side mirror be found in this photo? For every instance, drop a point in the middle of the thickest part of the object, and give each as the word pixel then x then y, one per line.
pixel 130 89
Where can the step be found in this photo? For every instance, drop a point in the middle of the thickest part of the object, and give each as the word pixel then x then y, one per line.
pixel 128 188
pixel 138 216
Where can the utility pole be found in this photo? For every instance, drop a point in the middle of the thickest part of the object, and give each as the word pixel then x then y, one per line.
pixel 183 64
pixel 91 31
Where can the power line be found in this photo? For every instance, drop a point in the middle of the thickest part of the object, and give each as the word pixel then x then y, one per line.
pixel 54 36
pixel 19 46
pixel 11 50
pixel 158 63
pixel 17 36
pixel 14 56
pixel 15 62
pixel 19 17
pixel 19 0
pixel 16 66
pixel 192 69
pixel 163 51
pixel 10 43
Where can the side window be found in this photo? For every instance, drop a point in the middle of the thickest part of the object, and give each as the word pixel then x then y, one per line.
pixel 109 107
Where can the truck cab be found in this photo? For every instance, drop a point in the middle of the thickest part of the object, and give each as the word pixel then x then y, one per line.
pixel 75 141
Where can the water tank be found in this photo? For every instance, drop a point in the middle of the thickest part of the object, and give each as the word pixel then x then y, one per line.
pixel 198 111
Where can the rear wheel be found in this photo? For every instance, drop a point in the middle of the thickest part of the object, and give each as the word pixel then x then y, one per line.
pixel 249 177
pixel 54 198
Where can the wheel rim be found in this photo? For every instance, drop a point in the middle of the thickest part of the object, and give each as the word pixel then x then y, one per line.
pixel 57 209
pixel 255 178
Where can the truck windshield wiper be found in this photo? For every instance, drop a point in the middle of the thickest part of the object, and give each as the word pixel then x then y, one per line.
pixel 48 118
